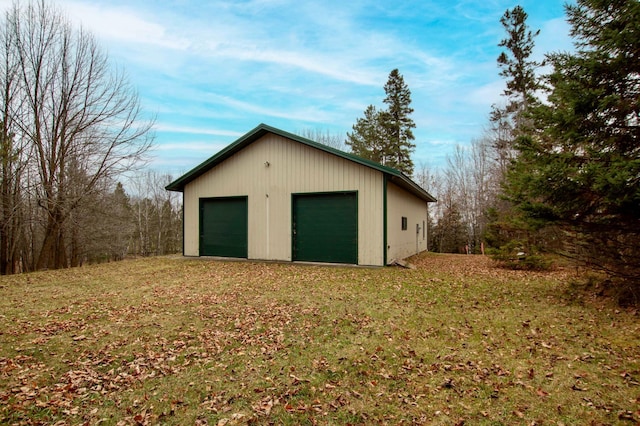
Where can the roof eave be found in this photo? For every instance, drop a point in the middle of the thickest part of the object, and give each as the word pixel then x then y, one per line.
pixel 179 184
pixel 406 183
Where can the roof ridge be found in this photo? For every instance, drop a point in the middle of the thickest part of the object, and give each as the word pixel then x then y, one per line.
pixel 259 131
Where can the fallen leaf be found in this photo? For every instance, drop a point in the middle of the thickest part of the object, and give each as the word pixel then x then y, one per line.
pixel 542 393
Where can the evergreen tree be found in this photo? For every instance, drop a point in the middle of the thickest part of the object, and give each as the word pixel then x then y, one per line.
pixel 519 71
pixel 367 139
pixel 506 231
pixel 385 136
pixel 580 169
pixel 516 65
pixel 122 223
pixel 397 124
pixel 449 235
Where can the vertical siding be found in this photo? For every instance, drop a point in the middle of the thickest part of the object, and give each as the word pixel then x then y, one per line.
pixel 293 168
pixel 400 204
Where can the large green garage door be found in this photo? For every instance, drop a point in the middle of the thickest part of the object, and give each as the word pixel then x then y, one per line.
pixel 223 227
pixel 325 227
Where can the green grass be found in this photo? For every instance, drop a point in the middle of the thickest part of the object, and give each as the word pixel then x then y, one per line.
pixel 177 341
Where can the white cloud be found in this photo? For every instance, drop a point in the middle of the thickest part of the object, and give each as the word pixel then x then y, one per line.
pixel 186 147
pixel 326 47
pixel 217 38
pixel 307 113
pixel 485 95
pixel 195 130
pixel 209 68
pixel 442 142
pixel 554 37
pixel 333 67
pixel 177 158
pixel 122 24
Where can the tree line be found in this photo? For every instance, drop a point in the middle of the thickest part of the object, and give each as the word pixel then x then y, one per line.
pixel 563 149
pixel 575 181
pixel 71 128
pixel 558 169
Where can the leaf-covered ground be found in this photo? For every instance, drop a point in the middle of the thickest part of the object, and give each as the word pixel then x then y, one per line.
pixel 179 341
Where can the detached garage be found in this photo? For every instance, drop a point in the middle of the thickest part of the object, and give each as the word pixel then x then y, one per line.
pixel 273 195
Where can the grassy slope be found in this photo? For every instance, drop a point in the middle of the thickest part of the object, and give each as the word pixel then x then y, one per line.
pixel 178 341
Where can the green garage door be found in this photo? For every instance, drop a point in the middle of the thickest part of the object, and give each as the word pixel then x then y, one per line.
pixel 325 227
pixel 223 227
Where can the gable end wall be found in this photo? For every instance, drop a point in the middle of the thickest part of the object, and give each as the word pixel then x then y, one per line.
pixel 292 168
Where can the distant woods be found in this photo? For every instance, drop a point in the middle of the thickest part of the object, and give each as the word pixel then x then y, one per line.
pixel 333 140
pixel 71 127
pixel 558 170
pixel 473 211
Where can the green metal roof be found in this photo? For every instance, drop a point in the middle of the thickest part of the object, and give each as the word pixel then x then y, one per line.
pixel 394 176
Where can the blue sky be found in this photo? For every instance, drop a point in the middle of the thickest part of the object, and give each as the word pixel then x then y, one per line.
pixel 213 70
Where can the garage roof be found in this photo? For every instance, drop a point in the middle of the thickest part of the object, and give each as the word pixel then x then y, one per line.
pixel 395 176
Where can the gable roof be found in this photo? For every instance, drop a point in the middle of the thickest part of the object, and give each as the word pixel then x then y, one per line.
pixel 394 176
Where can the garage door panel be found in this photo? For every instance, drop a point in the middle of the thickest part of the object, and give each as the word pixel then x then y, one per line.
pixel 325 227
pixel 223 227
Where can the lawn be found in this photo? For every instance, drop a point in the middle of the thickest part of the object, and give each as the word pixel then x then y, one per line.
pixel 188 341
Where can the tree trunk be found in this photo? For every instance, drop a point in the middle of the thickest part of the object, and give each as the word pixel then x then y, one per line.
pixel 76 249
pixel 53 254
pixel 5 234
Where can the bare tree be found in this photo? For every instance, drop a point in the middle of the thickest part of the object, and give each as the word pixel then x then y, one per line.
pixel 448 234
pixel 80 117
pixel 14 153
pixel 465 190
pixel 12 209
pixel 333 140
pixel 157 215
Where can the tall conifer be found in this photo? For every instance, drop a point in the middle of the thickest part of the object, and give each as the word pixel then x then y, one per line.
pixel 397 123
pixel 386 136
pixel 579 170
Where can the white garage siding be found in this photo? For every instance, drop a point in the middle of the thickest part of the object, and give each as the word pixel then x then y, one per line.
pixel 268 171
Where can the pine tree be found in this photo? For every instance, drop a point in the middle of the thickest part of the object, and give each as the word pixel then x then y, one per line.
pixel 506 232
pixel 519 71
pixel 367 139
pixel 580 169
pixel 385 136
pixel 516 65
pixel 397 124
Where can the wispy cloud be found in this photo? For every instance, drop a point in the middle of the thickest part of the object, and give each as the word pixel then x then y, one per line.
pixel 194 131
pixel 554 37
pixel 123 24
pixel 305 114
pixel 216 69
pixel 224 37
pixel 200 147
